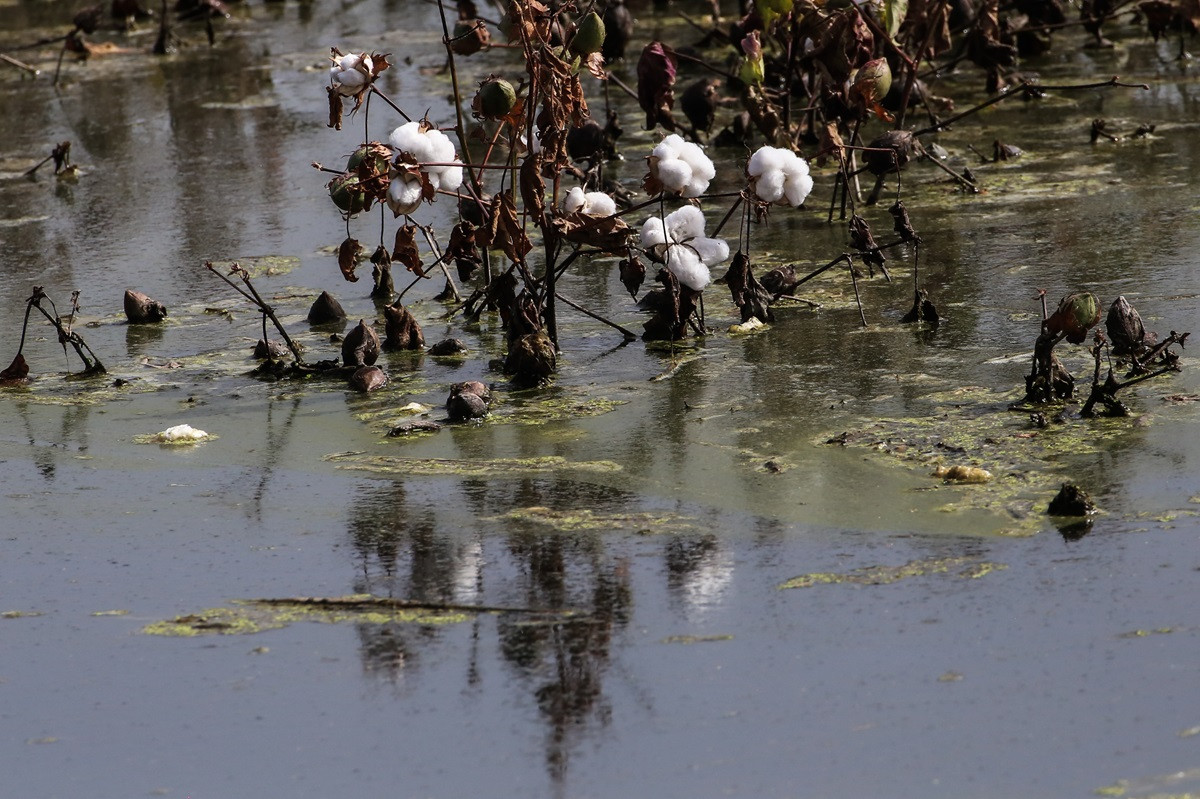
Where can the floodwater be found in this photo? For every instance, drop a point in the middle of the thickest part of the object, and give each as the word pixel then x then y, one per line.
pixel 955 643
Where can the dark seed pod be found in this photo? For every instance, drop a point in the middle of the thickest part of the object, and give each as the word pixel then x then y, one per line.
pixel 361 346
pixel 140 309
pixel 401 330
pixel 270 350
pixel 618 30
pixel 448 346
pixel 1125 328
pixel 481 390
pixel 890 152
pixel 326 309
pixel 368 378
pixel 531 358
pixel 1071 500
pixel 464 406
pixel 699 103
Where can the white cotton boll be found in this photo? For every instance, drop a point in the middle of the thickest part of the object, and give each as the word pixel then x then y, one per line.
pixel 695 157
pixel 575 201
pixel 408 139
pixel 451 177
pixel 695 187
pixel 441 148
pixel 345 75
pixel 674 174
pixel 668 147
pixel 710 251
pixel 797 188
pixel 654 233
pixel 404 193
pixel 769 186
pixel 687 267
pixel 600 204
pixel 765 159
pixel 685 223
pixel 181 433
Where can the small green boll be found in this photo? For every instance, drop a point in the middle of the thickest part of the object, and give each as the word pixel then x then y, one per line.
pixel 346 193
pixel 589 36
pixel 495 98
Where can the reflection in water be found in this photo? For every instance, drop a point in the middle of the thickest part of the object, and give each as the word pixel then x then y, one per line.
pixel 45 448
pixel 699 570
pixel 406 549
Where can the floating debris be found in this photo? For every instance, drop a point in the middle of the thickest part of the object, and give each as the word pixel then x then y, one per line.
pixel 180 434
pixel 1071 500
pixel 962 474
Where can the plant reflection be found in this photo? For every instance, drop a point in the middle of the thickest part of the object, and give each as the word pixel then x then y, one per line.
pixel 409 545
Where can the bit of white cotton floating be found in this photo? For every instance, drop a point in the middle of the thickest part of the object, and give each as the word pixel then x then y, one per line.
pixel 681 166
pixel 592 203
pixel 350 73
pixel 181 434
pixel 415 144
pixel 678 241
pixel 779 176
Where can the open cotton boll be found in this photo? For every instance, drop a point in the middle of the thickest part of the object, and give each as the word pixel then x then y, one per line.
pixel 404 193
pixel 349 73
pixel 675 175
pixel 687 266
pixel 592 203
pixel 574 202
pixel 681 166
pixel 769 186
pixel 797 187
pixel 654 233
pixel 408 139
pixel 600 204
pixel 710 251
pixel 765 159
pixel 685 223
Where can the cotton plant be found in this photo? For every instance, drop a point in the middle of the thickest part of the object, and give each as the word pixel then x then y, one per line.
pixel 779 176
pixel 591 203
pixel 678 241
pixel 679 167
pixel 422 153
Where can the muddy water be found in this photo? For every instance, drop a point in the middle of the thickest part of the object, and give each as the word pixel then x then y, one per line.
pixel 940 640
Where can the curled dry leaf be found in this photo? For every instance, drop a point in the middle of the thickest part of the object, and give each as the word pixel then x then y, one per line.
pixel 607 233
pixel 405 250
pixel 633 274
pixel 748 294
pixel 505 230
pixel 348 254
pixel 335 108
pixel 656 72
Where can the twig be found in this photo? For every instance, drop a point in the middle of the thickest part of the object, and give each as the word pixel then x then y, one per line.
pixel 251 294
pixel 629 335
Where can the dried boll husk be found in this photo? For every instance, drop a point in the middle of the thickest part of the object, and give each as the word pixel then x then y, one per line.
pixel 464 405
pixel 890 151
pixel 326 309
pixel 361 346
pixel 1125 328
pixel 1071 500
pixel 401 331
pixel 368 378
pixel 531 358
pixel 141 310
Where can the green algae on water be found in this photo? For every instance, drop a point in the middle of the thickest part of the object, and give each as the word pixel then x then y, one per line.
pixel 963 567
pixel 254 617
pixel 570 521
pixel 454 467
